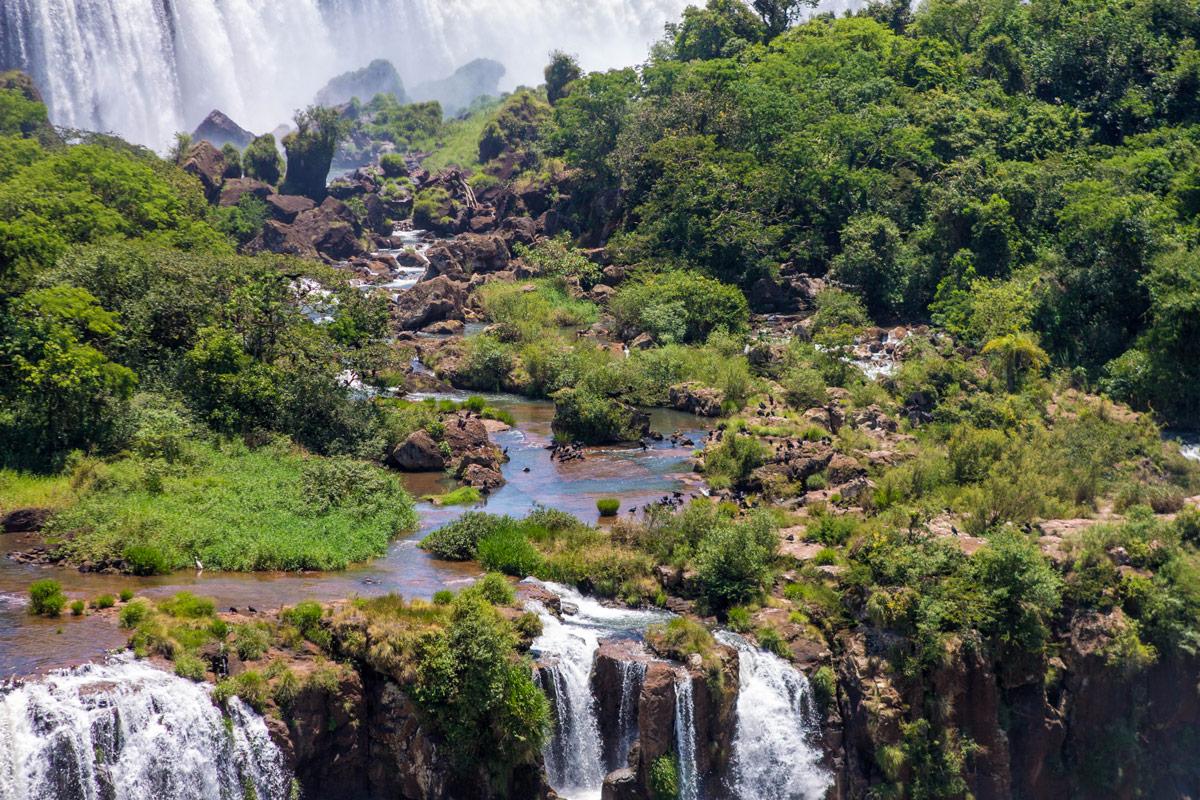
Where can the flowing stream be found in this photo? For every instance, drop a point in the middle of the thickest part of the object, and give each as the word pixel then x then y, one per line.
pixel 127 731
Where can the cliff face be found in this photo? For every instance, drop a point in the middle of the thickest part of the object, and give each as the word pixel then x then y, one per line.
pixel 1077 725
pixel 363 739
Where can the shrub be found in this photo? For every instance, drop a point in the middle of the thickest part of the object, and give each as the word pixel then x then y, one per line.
pixel 509 550
pixel 126 595
pixel 733 561
pixel 824 686
pixel 252 642
pixel 145 560
pixel 250 687
pixel 393 165
pixel 825 557
pixel 529 625
pixel 803 386
pixel 739 620
pixel 286 689
pixel 770 640
pixel 608 507
pixel 133 613
pixel 681 306
pixel 443 597
pixel 261 160
pixel 733 459
pixel 831 530
pixel 185 605
pixel 304 616
pixel 494 588
pixel 46 598
pixel 459 539
pixel 105 601
pixel 77 607
pixel 663 778
pixel 682 637
pixel 593 418
pixel 190 667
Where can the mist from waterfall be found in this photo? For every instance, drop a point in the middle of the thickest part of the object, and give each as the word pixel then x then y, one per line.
pixel 147 68
pixel 127 731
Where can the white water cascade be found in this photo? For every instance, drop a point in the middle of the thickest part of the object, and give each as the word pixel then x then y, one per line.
pixel 147 68
pixel 773 758
pixel 127 731
pixel 567 646
pixel 685 738
pixel 632 675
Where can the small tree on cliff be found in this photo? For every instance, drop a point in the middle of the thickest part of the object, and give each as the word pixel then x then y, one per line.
pixel 261 160
pixel 310 150
pixel 779 15
pixel 561 72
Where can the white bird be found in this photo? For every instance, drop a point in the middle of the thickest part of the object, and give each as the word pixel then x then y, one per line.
pixel 199 566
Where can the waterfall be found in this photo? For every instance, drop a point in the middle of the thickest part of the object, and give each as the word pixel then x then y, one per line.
pixel 147 68
pixel 567 647
pixel 685 737
pixel 773 758
pixel 127 731
pixel 632 675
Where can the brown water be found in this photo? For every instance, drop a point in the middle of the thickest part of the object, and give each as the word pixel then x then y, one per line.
pixel 31 644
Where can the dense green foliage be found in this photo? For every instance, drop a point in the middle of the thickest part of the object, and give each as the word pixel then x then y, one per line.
pixel 230 508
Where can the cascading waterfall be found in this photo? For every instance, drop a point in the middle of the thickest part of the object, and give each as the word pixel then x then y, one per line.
pixel 567 647
pixel 632 675
pixel 147 68
pixel 773 758
pixel 685 737
pixel 127 731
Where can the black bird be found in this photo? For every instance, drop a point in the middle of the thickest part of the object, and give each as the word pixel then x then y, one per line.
pixel 525 470
pixel 232 610
pixel 252 609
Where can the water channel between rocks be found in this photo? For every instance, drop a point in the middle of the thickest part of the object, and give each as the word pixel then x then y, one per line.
pixel 31 644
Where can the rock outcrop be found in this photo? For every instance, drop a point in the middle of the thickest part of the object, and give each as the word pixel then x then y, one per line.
pixel 221 130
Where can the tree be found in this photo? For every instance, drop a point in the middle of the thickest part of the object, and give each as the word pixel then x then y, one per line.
pixel 310 150
pixel 262 161
pixel 59 392
pixel 1018 353
pixel 870 260
pixel 233 160
pixel 561 72
pixel 719 30
pixel 179 149
pixel 779 15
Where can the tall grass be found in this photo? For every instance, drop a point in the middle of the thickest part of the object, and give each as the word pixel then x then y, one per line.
pixel 240 510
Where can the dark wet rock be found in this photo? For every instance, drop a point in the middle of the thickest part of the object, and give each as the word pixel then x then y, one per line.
pixel 518 230
pixel 418 453
pixel 622 784
pixel 429 301
pixel 695 398
pixel 207 164
pixel 283 239
pixel 221 130
pixel 286 207
pixel 234 189
pixel 25 520
pixel 643 341
pixel 482 478
pixel 446 327
pixel 441 261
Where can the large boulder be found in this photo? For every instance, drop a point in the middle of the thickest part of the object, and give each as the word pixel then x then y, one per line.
pixel 695 398
pixel 622 784
pixel 465 433
pixel 286 207
pixel 207 164
pixel 333 229
pixel 278 237
pixel 24 520
pixel 441 261
pixel 234 189
pixel 221 130
pixel 481 253
pixel 429 301
pixel 418 453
